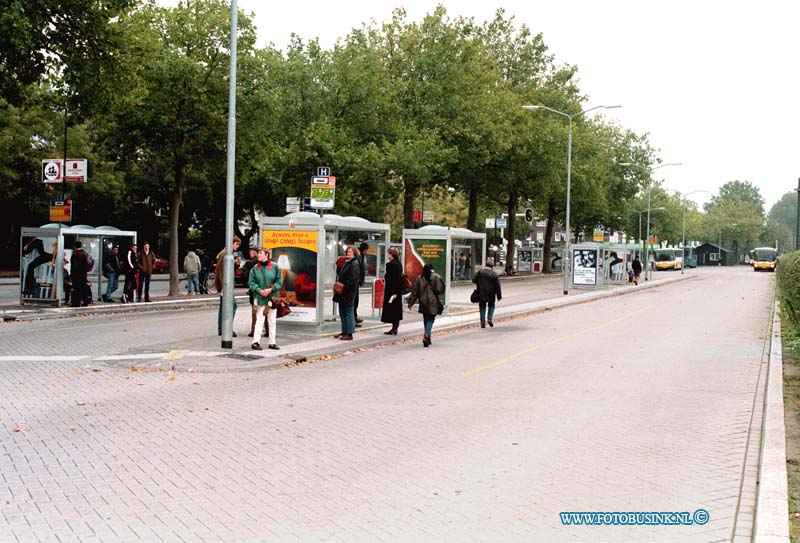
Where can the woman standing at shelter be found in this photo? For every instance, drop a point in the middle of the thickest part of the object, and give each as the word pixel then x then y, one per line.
pixel 264 282
pixel 348 276
pixel 427 289
pixel 488 290
pixel 393 292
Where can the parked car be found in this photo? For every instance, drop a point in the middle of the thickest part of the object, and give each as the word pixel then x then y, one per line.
pixel 161 264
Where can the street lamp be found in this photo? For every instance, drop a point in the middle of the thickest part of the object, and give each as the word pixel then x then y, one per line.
pixel 649 185
pixel 719 247
pixel 640 219
pixel 569 174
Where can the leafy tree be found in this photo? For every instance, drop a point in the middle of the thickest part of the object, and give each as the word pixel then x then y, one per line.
pixel 171 123
pixel 782 214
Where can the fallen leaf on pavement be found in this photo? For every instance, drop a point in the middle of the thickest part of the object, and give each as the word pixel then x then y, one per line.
pixel 16 428
pixel 97 369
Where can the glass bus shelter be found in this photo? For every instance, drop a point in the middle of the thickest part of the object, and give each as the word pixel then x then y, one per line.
pixel 42 281
pixel 456 253
pixel 308 248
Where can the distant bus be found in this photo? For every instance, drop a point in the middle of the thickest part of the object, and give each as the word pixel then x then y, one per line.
pixel 764 258
pixel 668 259
pixel 689 257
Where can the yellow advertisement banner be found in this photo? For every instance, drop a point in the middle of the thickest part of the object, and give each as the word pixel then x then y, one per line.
pixel 302 239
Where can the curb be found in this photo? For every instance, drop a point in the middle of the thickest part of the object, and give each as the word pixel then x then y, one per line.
pixel 772 502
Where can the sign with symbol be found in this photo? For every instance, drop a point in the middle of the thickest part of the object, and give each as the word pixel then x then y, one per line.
pixel 500 222
pixel 323 171
pixel 427 216
pixel 490 223
pixel 52 170
pixel 75 172
pixel 598 234
pixel 417 215
pixel 323 192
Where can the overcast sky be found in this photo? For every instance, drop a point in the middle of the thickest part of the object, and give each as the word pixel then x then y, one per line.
pixel 715 84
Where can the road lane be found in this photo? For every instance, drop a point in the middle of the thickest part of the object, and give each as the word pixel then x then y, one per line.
pixel 646 406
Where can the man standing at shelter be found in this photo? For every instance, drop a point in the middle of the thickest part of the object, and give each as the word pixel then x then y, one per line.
pixel 112 270
pixel 362 260
pixel 147 264
pixel 219 280
pixel 131 267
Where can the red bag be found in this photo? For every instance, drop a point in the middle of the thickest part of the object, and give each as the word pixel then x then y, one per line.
pixel 407 284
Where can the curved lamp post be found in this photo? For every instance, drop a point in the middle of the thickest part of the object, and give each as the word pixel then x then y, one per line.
pixel 569 174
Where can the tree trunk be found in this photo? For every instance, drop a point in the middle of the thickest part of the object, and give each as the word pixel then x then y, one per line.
pixel 472 215
pixel 511 231
pixel 174 222
pixel 409 193
pixel 548 237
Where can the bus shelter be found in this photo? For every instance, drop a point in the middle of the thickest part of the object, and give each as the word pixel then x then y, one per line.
pixel 308 247
pixel 616 259
pixel 529 260
pixel 45 254
pixel 456 253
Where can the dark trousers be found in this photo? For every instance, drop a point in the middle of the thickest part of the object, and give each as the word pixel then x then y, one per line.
pixel 144 283
pixel 130 285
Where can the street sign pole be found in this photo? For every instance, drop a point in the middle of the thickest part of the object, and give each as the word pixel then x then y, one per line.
pixel 227 262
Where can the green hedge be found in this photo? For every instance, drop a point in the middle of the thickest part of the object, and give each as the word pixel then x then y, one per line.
pixel 789 284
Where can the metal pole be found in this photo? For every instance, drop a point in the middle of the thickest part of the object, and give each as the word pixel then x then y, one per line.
pixel 640 225
pixel 719 248
pixel 567 256
pixel 683 243
pixel 227 262
pixel 647 240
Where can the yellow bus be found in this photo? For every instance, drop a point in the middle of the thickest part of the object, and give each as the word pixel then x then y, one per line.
pixel 668 259
pixel 764 258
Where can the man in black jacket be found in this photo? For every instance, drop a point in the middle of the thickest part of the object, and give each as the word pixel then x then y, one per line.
pixel 130 266
pixel 112 269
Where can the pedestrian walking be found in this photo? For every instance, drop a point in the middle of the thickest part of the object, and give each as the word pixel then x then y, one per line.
pixel 205 268
pixel 191 266
pixel 362 260
pixel 393 292
pixel 427 290
pixel 219 281
pixel 636 266
pixel 112 269
pixel 488 286
pixel 348 277
pixel 147 265
pixel 265 281
pixel 130 267
pixel 79 271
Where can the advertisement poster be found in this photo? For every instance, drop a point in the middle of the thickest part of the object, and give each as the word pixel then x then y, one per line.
pixel 525 261
pixel 38 270
pixel 419 252
pixel 295 251
pixel 584 267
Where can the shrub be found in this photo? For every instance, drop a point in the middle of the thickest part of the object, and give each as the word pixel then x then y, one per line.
pixel 789 284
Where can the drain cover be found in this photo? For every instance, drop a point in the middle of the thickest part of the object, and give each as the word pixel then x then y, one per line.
pixel 246 357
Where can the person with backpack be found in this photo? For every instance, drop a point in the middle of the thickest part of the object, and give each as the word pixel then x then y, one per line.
pixel 488 287
pixel 427 290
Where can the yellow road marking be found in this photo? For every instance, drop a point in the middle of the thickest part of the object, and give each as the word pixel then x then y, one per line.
pixel 511 357
pixel 175 355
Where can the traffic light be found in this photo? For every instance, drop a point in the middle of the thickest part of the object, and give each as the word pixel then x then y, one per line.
pixel 529 215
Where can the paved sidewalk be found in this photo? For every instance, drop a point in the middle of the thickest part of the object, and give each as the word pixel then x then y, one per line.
pixel 205 355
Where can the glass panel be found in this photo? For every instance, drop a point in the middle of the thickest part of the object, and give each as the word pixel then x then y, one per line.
pixel 38 268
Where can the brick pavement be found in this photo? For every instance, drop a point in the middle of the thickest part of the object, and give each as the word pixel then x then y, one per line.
pixel 401 444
